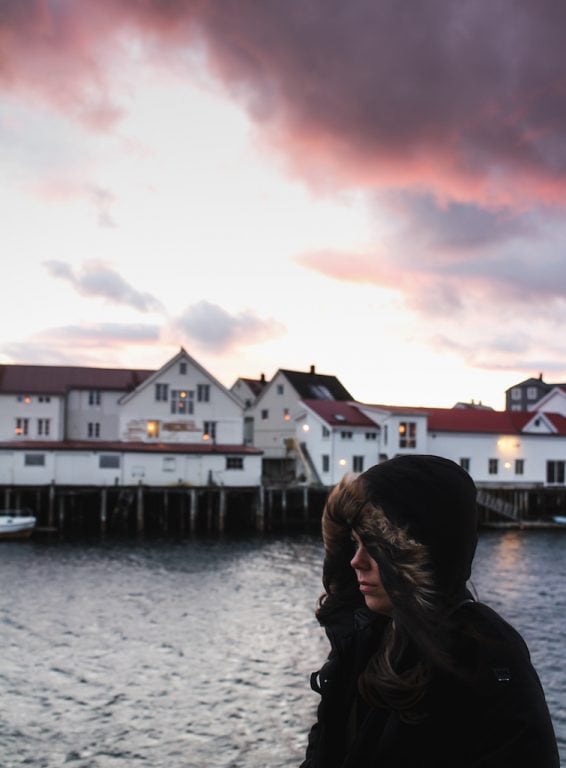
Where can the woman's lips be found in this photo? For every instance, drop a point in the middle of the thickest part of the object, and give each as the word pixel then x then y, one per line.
pixel 366 587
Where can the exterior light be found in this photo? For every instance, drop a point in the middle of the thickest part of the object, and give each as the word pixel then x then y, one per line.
pixel 287 417
pixel 342 462
pixel 507 465
pixel 182 394
pixel 306 427
pixel 206 436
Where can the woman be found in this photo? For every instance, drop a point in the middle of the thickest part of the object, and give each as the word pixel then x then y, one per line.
pixel 420 675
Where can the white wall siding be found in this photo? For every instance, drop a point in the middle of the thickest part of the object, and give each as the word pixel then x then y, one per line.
pixel 270 433
pixel 12 408
pixel 81 413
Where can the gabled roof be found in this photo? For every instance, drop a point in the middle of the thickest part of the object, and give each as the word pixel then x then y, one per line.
pixel 316 386
pixel 182 354
pixel 337 413
pixel 256 385
pixel 59 379
pixel 556 389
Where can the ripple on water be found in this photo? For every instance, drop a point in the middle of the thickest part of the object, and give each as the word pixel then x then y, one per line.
pixel 198 653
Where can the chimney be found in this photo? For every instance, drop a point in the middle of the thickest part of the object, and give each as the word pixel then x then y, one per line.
pixel 540 377
pixel 262 378
pixel 312 369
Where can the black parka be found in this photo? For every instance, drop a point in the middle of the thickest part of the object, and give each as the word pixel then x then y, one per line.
pixel 493 715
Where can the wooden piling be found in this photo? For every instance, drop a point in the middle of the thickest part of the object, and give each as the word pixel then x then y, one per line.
pixel 139 509
pixel 306 503
pixel 7 495
pixel 103 508
pixel 51 510
pixel 182 505
pixel 222 510
pixel 165 512
pixel 61 510
pixel 209 510
pixel 193 510
pixel 260 509
pixel 284 506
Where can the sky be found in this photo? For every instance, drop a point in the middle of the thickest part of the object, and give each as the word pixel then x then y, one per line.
pixel 373 187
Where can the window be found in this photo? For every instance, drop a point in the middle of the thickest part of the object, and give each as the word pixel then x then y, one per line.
pixel 515 407
pixel 24 399
pixel 532 393
pixel 209 430
pixel 516 393
pixel 346 435
pixel 169 463
pixel 358 463
pixel 385 434
pixel 265 414
pixel 280 389
pixel 182 402
pixel 493 466
pixel 519 466
pixel 203 393
pixel 162 392
pixel 408 434
pixel 325 431
pixel 465 464
pixel 371 435
pixel 93 429
pixel 234 462
pixel 44 398
pixel 153 429
pixel 22 427
pixel 94 397
pixel 43 427
pixel 286 414
pixel 325 462
pixel 107 461
pixel 34 459
pixel 555 472
pixel 183 368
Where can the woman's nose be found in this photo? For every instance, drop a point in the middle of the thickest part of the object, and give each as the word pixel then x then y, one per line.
pixel 359 562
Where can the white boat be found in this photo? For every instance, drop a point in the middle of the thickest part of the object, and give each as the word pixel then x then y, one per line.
pixel 560 519
pixel 15 525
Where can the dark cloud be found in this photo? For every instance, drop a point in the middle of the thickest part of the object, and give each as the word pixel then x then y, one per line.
pixel 467 99
pixel 212 328
pixel 98 280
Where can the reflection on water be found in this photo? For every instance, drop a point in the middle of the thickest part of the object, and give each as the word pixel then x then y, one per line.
pixel 198 653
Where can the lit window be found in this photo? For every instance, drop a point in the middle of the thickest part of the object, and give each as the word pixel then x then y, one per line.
pixel 182 401
pixel 286 414
pixel 209 430
pixel 22 427
pixel 153 429
pixel 408 434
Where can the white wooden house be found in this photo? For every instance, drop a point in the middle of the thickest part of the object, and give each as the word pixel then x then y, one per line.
pixel 85 426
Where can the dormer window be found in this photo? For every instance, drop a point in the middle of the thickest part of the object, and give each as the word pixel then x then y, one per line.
pixel 183 368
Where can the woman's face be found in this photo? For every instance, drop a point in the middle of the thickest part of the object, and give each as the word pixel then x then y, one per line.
pixel 369 579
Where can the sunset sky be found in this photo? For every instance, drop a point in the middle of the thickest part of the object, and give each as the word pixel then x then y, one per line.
pixel 376 187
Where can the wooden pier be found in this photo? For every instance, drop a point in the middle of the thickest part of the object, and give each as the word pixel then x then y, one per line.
pixel 170 510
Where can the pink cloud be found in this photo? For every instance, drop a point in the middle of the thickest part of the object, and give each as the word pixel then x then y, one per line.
pixel 454 98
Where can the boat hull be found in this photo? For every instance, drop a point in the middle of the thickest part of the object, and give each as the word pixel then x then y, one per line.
pixel 13 527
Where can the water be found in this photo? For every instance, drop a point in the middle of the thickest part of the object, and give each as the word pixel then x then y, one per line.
pixel 197 654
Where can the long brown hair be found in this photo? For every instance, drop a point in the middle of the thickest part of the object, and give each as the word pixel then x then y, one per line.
pixel 416 639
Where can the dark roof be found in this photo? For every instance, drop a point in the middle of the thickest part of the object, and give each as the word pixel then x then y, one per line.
pixel 59 379
pixel 316 386
pixel 116 445
pixel 256 385
pixel 338 413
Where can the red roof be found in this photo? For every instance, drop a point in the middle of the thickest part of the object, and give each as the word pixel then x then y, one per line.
pixel 59 379
pixel 338 413
pixel 107 445
pixel 476 419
